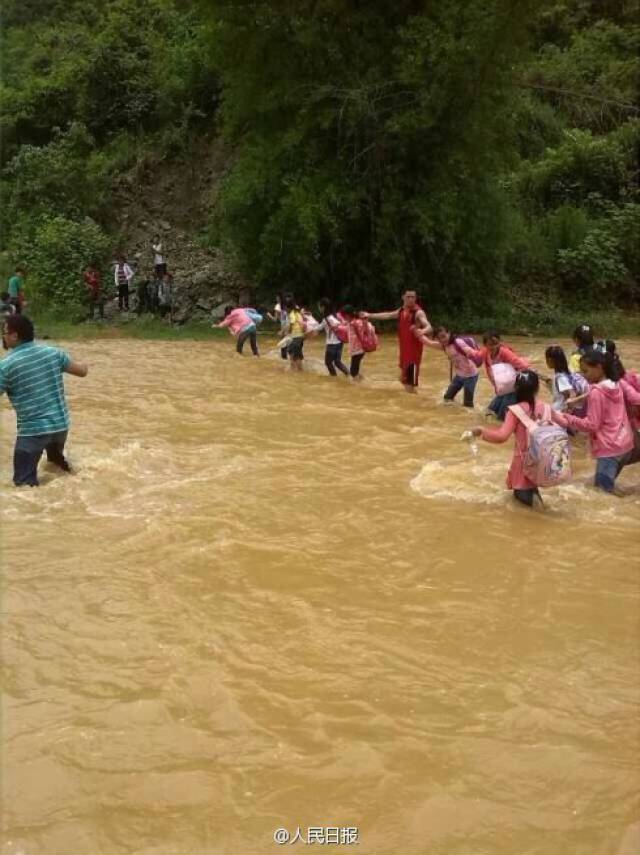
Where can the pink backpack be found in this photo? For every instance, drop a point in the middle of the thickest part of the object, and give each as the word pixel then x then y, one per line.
pixel 547 462
pixel 367 336
pixel 342 332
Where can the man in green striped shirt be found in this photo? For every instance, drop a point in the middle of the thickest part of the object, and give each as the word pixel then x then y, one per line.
pixel 31 375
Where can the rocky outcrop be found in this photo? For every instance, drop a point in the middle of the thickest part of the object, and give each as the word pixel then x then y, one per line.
pixel 175 200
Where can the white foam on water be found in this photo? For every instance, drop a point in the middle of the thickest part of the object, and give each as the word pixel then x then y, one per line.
pixel 463 480
pixel 473 480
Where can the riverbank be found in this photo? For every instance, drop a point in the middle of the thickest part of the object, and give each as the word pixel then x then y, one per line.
pixel 612 324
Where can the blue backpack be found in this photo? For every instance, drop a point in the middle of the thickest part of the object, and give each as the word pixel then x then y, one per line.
pixel 256 317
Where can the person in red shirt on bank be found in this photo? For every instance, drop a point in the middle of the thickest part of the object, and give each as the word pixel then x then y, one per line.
pixel 94 293
pixel 411 317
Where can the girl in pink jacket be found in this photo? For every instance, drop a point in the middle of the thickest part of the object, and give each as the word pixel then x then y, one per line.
pixel 526 391
pixel 464 371
pixel 607 423
pixel 242 326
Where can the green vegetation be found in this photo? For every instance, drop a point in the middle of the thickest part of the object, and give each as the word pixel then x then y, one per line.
pixel 90 93
pixel 51 326
pixel 482 151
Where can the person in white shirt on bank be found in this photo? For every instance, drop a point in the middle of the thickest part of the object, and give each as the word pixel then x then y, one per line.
pixel 159 260
pixel 123 274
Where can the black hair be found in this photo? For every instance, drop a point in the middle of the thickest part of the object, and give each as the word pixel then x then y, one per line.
pixel 619 367
pixel 326 307
pixel 441 329
pixel 228 310
pixel 22 325
pixel 557 357
pixel 583 336
pixel 289 302
pixel 608 347
pixel 526 389
pixel 349 310
pixel 491 334
pixel 606 360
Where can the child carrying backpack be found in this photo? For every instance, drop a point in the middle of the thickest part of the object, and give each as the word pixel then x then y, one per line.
pixel 611 435
pixel 337 334
pixel 362 339
pixel 565 385
pixel 462 354
pixel 542 453
pixel 502 365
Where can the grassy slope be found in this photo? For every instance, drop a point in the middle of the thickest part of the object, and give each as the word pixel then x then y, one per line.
pixel 611 324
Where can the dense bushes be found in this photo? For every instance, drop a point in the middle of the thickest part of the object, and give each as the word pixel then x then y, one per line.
pixel 400 145
pixel 58 250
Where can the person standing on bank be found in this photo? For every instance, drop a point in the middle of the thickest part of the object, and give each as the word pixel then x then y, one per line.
pixel 94 295
pixel 159 260
pixel 16 289
pixel 123 275
pixel 412 319
pixel 31 375
pixel 165 296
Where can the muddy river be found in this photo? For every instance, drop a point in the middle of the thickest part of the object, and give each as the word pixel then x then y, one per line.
pixel 269 601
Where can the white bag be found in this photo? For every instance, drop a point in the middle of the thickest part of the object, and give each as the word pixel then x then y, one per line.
pixel 504 377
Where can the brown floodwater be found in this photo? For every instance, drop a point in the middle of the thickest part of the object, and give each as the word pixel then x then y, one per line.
pixel 277 601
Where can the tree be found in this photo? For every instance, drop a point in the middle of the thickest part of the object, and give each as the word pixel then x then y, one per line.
pixel 370 139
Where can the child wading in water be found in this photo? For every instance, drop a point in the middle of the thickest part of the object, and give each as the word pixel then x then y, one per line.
pixel 332 326
pixel 295 329
pixel 356 348
pixel 564 385
pixel 583 339
pixel 242 326
pixel 501 364
pixel 464 371
pixel 526 391
pixel 279 315
pixel 607 423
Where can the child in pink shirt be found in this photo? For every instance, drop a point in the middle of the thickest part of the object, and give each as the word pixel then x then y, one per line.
pixel 464 371
pixel 356 350
pixel 526 391
pixel 606 422
pixel 242 326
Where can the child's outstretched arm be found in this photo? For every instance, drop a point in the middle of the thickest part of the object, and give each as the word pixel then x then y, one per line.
pixel 518 362
pixel 380 316
pixel 576 400
pixel 424 338
pixel 472 352
pixel 498 435
pixel 589 424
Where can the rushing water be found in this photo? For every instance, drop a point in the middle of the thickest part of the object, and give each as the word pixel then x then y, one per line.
pixel 269 600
